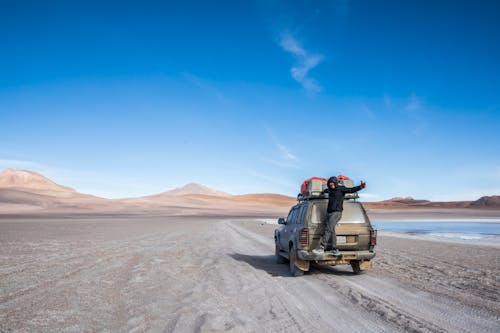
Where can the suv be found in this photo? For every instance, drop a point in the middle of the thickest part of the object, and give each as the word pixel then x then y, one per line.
pixel 303 228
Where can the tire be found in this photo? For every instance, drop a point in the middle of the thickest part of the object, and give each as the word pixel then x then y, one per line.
pixel 355 267
pixel 294 270
pixel 279 258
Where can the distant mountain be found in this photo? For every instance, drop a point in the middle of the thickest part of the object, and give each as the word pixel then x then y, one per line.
pixel 491 201
pixel 488 202
pixel 28 191
pixel 194 189
pixel 23 179
pixel 406 201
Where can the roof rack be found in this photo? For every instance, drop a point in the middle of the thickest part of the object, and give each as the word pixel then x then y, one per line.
pixel 301 197
pixel 348 196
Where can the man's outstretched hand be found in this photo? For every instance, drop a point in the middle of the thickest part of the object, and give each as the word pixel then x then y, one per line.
pixel 363 184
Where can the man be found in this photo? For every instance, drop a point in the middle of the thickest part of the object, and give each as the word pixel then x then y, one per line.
pixel 336 195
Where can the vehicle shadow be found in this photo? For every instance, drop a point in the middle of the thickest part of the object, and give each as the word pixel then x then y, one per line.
pixel 343 270
pixel 264 263
pixel 269 265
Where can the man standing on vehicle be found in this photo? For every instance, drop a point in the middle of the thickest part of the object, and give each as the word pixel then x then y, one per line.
pixel 336 195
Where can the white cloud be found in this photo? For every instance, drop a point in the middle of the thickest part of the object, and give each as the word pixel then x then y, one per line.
pixel 289 44
pixel 305 61
pixel 285 158
pixel 285 152
pixel 206 87
pixel 414 109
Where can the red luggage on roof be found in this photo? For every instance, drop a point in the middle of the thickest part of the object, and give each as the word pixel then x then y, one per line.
pixel 342 179
pixel 313 186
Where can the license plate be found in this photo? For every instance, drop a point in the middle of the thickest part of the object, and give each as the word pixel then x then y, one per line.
pixel 341 240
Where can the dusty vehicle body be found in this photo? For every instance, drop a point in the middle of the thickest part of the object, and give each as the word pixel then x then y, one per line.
pixel 301 231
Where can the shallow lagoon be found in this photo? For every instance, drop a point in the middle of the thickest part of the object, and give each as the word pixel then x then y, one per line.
pixel 460 229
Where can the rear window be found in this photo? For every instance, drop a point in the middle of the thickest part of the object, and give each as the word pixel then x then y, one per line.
pixel 353 213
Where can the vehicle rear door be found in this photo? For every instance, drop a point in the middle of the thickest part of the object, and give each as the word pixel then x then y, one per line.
pixel 353 230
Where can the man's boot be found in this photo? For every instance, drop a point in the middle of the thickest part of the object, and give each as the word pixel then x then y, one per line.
pixel 320 250
pixel 335 253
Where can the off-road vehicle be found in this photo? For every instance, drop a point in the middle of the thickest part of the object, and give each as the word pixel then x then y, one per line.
pixel 301 231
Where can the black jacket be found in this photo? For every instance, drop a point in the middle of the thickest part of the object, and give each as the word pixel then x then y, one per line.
pixel 336 197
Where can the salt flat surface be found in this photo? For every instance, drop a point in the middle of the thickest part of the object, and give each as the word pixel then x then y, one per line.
pixel 177 274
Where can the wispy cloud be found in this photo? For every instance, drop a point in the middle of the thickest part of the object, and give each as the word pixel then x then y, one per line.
pixel 305 61
pixel 285 152
pixel 285 157
pixel 206 87
pixel 368 111
pixel 414 108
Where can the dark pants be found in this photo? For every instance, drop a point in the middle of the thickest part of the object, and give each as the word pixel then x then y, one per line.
pixel 329 236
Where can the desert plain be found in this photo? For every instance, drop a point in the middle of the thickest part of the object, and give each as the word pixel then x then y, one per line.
pixel 210 274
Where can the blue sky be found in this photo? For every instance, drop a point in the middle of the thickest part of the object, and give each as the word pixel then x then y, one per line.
pixel 129 98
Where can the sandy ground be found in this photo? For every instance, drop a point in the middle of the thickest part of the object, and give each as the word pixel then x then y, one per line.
pixel 218 274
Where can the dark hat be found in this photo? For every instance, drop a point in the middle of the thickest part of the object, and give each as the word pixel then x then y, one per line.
pixel 333 180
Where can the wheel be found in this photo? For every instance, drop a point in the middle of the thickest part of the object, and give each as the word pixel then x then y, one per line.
pixel 294 270
pixel 279 258
pixel 355 267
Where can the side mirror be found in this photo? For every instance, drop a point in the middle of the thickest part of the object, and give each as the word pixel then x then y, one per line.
pixel 281 220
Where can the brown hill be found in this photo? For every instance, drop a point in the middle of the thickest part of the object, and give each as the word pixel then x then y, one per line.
pixel 490 202
pixel 193 189
pixel 487 202
pixel 32 181
pixel 22 190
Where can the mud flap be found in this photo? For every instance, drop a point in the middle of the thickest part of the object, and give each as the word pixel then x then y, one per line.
pixel 303 265
pixel 366 264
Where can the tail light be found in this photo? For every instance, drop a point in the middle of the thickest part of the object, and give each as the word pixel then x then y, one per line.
pixel 373 237
pixel 304 237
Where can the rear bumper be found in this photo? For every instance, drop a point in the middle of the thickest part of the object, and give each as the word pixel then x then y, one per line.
pixel 345 257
